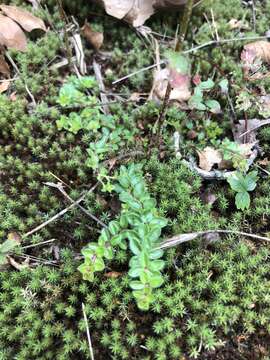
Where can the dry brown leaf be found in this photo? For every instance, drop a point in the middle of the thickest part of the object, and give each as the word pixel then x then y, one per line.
pixel 253 54
pixel 24 18
pixel 4 67
pixel 180 86
pixel 137 12
pixel 15 237
pixel 208 158
pixel 4 85
pixel 94 38
pixel 113 274
pixel 237 24
pixel 11 35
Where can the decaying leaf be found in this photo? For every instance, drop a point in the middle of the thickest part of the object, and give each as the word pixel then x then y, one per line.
pixel 94 38
pixel 180 86
pixel 237 24
pixel 253 55
pixel 25 19
pixel 14 236
pixel 113 274
pixel 4 85
pixel 208 158
pixel 245 130
pixel 137 12
pixel 11 35
pixel 4 67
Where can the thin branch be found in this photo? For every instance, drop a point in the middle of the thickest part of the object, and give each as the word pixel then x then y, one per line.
pixel 179 239
pixel 61 213
pixel 38 244
pixel 61 189
pixel 88 333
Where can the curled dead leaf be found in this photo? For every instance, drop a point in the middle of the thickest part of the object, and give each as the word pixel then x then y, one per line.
pixel 4 85
pixel 14 236
pixel 180 85
pixel 137 12
pixel 113 274
pixel 253 55
pixel 94 38
pixel 11 35
pixel 208 158
pixel 24 18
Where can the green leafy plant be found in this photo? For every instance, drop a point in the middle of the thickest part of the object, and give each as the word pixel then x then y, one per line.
pixel 235 153
pixel 106 132
pixel 140 226
pixel 198 100
pixel 243 184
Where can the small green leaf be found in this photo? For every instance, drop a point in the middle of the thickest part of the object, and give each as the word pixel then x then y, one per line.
pixel 224 86
pixel 136 285
pixel 99 264
pixel 156 280
pixel 213 106
pixel 178 62
pixel 242 200
pixel 196 102
pixel 206 85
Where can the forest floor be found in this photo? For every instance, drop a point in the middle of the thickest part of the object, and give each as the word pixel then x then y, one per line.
pixel 140 225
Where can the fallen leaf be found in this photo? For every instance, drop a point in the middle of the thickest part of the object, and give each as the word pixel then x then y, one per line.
pixel 94 38
pixel 4 67
pixel 4 85
pixel 253 55
pixel 264 162
pixel 24 18
pixel 180 85
pixel 237 24
pixel 208 158
pixel 137 12
pixel 113 274
pixel 14 236
pixel 246 131
pixel 13 96
pixel 11 35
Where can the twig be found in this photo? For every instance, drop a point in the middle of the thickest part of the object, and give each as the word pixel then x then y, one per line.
pixel 179 239
pixel 64 19
pixel 178 48
pixel 101 85
pixel 38 244
pixel 61 189
pixel 262 123
pixel 253 6
pixel 61 213
pixel 88 333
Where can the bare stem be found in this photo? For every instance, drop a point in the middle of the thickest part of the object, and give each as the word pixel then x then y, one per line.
pixel 178 47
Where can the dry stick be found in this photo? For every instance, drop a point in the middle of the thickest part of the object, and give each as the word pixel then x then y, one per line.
pixel 88 333
pixel 178 48
pixel 263 122
pixel 179 239
pixel 101 85
pixel 60 188
pixel 38 244
pixel 61 213
pixel 64 19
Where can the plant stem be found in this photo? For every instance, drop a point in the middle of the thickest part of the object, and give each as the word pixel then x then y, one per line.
pixel 178 47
